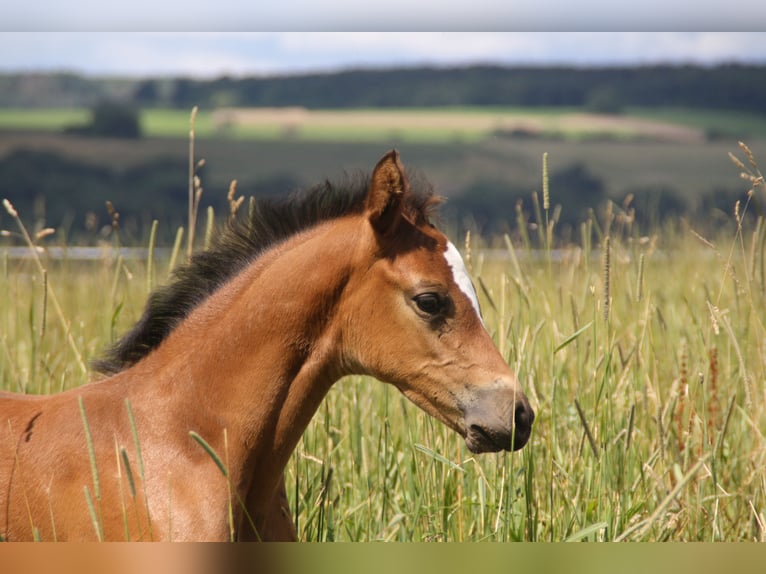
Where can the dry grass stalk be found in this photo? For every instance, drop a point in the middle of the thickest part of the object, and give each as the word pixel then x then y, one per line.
pixel 736 161
pixel 607 273
pixel 49 290
pixel 44 319
pixel 588 433
pixel 521 222
pixel 43 233
pixel 750 174
pixel 750 157
pixel 468 259
pixel 234 202
pixel 683 392
pixel 713 406
pixel 660 431
pixel 193 183
pixel 546 192
pixel 713 317
pixel 640 279
pixel 114 216
pixel 209 227
pixel 703 240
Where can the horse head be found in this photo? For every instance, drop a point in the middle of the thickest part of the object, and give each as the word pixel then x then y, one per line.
pixel 413 319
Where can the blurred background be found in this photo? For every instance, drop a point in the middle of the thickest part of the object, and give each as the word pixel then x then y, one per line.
pixel 640 122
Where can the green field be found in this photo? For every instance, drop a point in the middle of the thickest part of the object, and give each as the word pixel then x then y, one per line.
pixel 459 149
pixel 624 166
pixel 720 123
pixel 648 381
pixel 475 124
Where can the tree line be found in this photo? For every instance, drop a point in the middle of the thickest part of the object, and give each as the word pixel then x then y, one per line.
pixel 609 89
pixel 40 185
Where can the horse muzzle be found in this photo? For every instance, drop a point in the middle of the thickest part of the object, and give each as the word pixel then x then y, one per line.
pixel 493 425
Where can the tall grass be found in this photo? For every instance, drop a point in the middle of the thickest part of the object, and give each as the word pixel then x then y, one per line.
pixel 643 356
pixel 623 447
pixel 648 375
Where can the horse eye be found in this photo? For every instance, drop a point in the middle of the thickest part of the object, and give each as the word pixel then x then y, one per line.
pixel 429 303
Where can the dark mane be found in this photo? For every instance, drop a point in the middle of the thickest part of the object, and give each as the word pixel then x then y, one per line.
pixel 269 222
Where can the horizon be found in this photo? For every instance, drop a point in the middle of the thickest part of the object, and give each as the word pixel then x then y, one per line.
pixel 214 55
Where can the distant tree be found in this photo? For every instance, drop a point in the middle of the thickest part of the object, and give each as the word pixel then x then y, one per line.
pixel 655 204
pixel 146 93
pixel 491 205
pixel 111 119
pixel 577 189
pixel 486 206
pixel 183 93
pixel 604 100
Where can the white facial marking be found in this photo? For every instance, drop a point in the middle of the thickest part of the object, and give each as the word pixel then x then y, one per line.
pixel 460 275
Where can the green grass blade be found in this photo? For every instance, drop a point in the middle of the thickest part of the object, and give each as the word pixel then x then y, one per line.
pixel 128 472
pixel 150 257
pixel 140 458
pixel 91 450
pixel 209 227
pixel 587 531
pixel 211 452
pixel 437 456
pixel 572 337
pixel 94 473
pixel 176 249
pixel 93 514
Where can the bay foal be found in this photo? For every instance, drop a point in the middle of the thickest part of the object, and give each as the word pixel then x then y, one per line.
pixel 236 354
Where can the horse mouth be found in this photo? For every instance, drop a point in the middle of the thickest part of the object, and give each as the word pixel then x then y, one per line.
pixel 479 439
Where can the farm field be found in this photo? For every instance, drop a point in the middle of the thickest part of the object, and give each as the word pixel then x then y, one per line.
pixel 428 125
pixel 477 164
pixel 646 368
pixel 624 166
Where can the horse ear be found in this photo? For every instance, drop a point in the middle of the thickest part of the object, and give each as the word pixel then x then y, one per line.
pixel 388 186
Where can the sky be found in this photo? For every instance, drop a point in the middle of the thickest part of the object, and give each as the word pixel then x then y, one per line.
pixel 389 15
pixel 212 54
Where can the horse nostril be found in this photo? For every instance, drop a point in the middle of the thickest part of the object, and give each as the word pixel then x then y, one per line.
pixel 524 416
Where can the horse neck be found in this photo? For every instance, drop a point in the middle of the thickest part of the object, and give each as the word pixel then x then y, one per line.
pixel 261 353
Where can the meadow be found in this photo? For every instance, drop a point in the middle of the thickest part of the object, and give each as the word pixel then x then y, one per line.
pixel 643 352
pixel 426 125
pixel 462 150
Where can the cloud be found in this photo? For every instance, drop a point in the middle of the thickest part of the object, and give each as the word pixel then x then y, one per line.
pixel 215 54
pixel 400 15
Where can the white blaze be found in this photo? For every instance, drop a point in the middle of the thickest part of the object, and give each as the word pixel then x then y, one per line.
pixel 460 275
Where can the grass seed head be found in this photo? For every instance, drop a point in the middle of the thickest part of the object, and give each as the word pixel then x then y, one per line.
pixel 546 192
pixel 43 233
pixel 9 208
pixel 607 273
pixel 736 161
pixel 749 154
